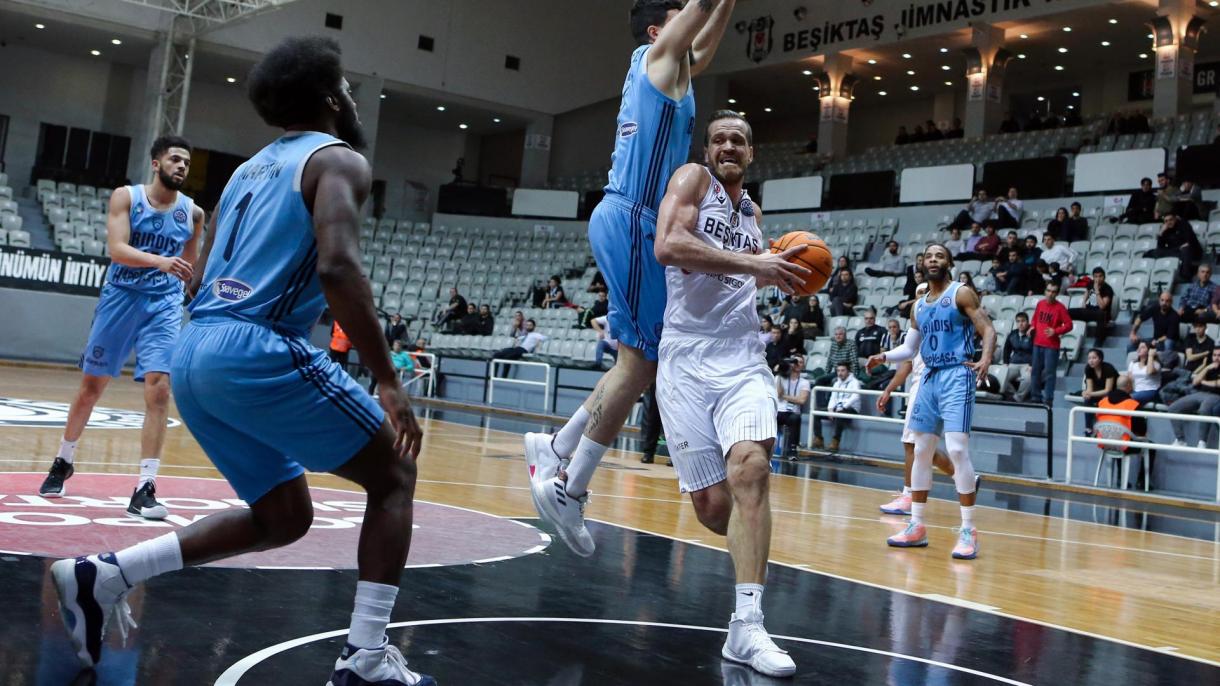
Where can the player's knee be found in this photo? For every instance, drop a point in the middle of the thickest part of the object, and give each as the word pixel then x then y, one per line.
pixel 398 481
pixel 749 466
pixel 91 388
pixel 157 391
pixel 713 507
pixel 290 527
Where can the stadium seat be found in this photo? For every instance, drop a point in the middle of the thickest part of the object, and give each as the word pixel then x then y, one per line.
pixel 19 239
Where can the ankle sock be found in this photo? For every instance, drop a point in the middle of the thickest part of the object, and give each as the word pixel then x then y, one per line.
pixel 917 512
pixel 967 517
pixel 374 602
pixel 148 559
pixel 148 470
pixel 567 438
pixel 749 598
pixel 67 450
pixel 585 459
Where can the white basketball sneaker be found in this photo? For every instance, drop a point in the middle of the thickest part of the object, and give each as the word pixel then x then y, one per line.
pixel 564 513
pixel 540 458
pixel 92 592
pixel 384 666
pixel 749 644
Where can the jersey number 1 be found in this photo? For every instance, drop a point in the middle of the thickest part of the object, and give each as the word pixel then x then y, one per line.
pixel 241 216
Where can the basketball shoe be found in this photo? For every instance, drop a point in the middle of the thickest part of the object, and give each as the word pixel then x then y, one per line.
pixel 144 503
pixel 564 513
pixel 384 666
pixel 53 485
pixel 914 536
pixel 967 547
pixel 92 593
pixel 540 458
pixel 900 505
pixel 749 644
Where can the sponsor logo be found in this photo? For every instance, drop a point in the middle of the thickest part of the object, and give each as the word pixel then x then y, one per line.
pixel 746 208
pixel 231 290
pixel 734 220
pixel 683 445
pixel 944 302
pixel 98 351
pixel 158 223
pixel 180 216
pixel 760 40
pixel 40 414
pixel 628 129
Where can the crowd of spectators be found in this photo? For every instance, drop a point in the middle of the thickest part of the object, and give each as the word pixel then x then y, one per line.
pixel 929 131
pixel 459 317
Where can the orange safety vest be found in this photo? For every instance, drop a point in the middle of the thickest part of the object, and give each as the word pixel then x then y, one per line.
pixel 1125 420
pixel 339 342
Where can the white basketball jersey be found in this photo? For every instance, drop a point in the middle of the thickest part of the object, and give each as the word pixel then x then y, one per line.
pixel 717 305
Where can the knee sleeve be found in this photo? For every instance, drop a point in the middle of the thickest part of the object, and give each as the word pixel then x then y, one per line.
pixel 959 454
pixel 921 469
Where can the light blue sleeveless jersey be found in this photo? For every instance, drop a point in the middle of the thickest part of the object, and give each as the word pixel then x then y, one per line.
pixel 263 260
pixel 653 136
pixel 159 233
pixel 948 335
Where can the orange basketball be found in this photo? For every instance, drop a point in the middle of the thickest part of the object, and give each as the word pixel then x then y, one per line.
pixel 815 257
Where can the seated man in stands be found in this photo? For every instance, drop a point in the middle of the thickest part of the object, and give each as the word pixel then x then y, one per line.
pixel 1009 125
pixel 1195 303
pixel 1097 306
pixel 450 315
pixel 842 399
pixel 1058 253
pixel 469 323
pixel 774 349
pixel 1141 206
pixel 868 337
pixel 1011 277
pixel 1166 197
pixel 957 131
pixel 1204 401
pixel 1199 347
pixel 983 247
pixel 1077 226
pixel 1019 356
pixel 978 210
pixel 793 391
pixel 487 323
pixel 1009 211
pixel 903 137
pixel 527 343
pixel 1189 202
pixel 1165 324
pixel 1177 239
pixel 890 264
pixel 600 308
pixel 932 132
pixel 418 354
pixel 844 294
pixel 955 244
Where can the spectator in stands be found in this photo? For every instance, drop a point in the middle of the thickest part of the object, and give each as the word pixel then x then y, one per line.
pixel 1099 380
pixel 1199 347
pixel 1009 125
pixel 1145 373
pixel 1072 117
pixel 1051 321
pixel 918 135
pixel 977 211
pixel 1165 324
pixel 527 342
pixel 814 321
pixel 868 337
pixel 1011 277
pixel 1203 401
pixel 600 308
pixel 1019 356
pixel 932 132
pixel 1177 239
pixel 1009 210
pixel 795 308
pixel 1141 206
pixel 1188 203
pixel 418 354
pixel 894 336
pixel 518 325
pixel 843 294
pixel 890 264
pixel 469 323
pixel 793 391
pixel 1030 252
pixel 843 400
pixel 597 284
pixel 1097 306
pixel 908 288
pixel 451 314
pixel 957 131
pixel 606 343
pixel 966 279
pixel 1122 398
pixel 794 337
pixel 811 148
pixel 555 297
pixel 1196 300
pixel 955 244
pixel 1138 123
pixel 1078 226
pixel 774 350
pixel 909 297
pixel 1166 196
pixel 340 344
pixel 395 329
pixel 991 284
pixel 1057 227
pixel 1011 242
pixel 487 323
pixel 765 324
pixel 903 137
pixel 1033 122
pixel 843 263
pixel 970 243
pixel 403 363
pixel 1056 252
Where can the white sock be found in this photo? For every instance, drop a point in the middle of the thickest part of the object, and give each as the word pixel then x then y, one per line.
pixel 967 517
pixel 150 558
pixel 749 599
pixel 917 512
pixel 587 456
pixel 67 450
pixel 566 439
pixel 373 605
pixel 148 470
pixel 906 491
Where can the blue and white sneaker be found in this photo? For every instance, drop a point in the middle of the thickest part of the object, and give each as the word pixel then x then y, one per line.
pixel 92 591
pixel 384 666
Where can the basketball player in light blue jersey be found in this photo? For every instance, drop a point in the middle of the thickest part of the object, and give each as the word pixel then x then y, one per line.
pixel 943 328
pixel 263 403
pixel 152 233
pixel 655 122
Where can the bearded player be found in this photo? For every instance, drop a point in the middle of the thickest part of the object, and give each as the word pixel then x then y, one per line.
pixel 715 391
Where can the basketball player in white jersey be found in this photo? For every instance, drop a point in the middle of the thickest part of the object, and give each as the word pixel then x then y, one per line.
pixel 715 392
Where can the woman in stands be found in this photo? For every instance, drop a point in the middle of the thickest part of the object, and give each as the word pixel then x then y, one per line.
pixel 555 297
pixel 518 328
pixel 843 294
pixel 794 337
pixel 966 278
pixel 1145 373
pixel 1099 379
pixel 1058 227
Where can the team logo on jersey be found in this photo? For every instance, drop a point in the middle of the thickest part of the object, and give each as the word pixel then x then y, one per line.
pixel 944 302
pixel 40 414
pixel 158 223
pixel 139 209
pixel 760 39
pixel 746 208
pixel 628 129
pixel 231 290
pixel 180 215
pixel 718 193
pixel 98 352
pixel 734 220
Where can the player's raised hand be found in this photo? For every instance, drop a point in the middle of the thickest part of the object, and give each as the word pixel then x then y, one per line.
pixel 774 269
pixel 408 437
pixel 874 361
pixel 177 267
pixel 883 401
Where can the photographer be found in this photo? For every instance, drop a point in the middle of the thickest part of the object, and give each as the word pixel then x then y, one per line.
pixel 793 391
pixel 841 400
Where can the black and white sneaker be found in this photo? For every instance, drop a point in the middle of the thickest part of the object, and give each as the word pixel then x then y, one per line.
pixel 144 503
pixel 92 597
pixel 53 485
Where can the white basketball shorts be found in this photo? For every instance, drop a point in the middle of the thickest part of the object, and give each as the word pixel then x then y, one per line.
pixel 712 393
pixel 908 436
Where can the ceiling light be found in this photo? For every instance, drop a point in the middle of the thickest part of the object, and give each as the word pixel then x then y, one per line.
pixel 1071 107
pixel 914 88
pixel 882 93
pixel 115 41
pixel 383 96
pixel 872 61
pixel 1113 21
pixel 1024 36
pixel 1075 94
pixel 1021 56
pixel 906 55
pixel 876 78
pixel 767 109
pixel 732 101
pixel 40 26
pixel 817 88
pixel 1151 36
pixel 944 50
pixel 1143 55
pixel 910 72
pixel 1058 67
pixel 944 67
pixel 948 83
pixel 1105 44
pixel 440 108
pixel 1213 3
pixel 95 53
pixel 463 126
pixel 1067 29
pixel 230 79
pixel 807 73
pixel 742 113
pixel 496 120
pixel 1063 49
pixel 1041 99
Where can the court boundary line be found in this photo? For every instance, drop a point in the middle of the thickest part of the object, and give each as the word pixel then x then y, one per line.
pixel 232 675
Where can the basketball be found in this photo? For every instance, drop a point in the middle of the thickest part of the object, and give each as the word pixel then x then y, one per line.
pixel 815 257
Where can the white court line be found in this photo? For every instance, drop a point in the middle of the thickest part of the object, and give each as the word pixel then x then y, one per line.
pixel 233 674
pixel 950 600
pixel 996 612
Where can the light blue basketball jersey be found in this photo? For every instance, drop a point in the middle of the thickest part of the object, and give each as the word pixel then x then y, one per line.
pixel 948 335
pixel 159 233
pixel 262 265
pixel 653 137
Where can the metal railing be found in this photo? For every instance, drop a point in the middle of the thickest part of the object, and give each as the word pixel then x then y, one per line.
pixel 426 375
pixel 1049 435
pixel 493 377
pixel 1073 439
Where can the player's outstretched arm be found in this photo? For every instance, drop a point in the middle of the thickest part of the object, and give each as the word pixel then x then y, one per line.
pixel 968 303
pixel 668 54
pixel 708 40
pixel 118 240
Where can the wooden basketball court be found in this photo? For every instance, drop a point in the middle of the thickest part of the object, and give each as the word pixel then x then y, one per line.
pixel 1088 591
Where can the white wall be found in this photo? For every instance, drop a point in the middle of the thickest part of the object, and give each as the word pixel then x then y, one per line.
pixel 583 139
pixel 409 153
